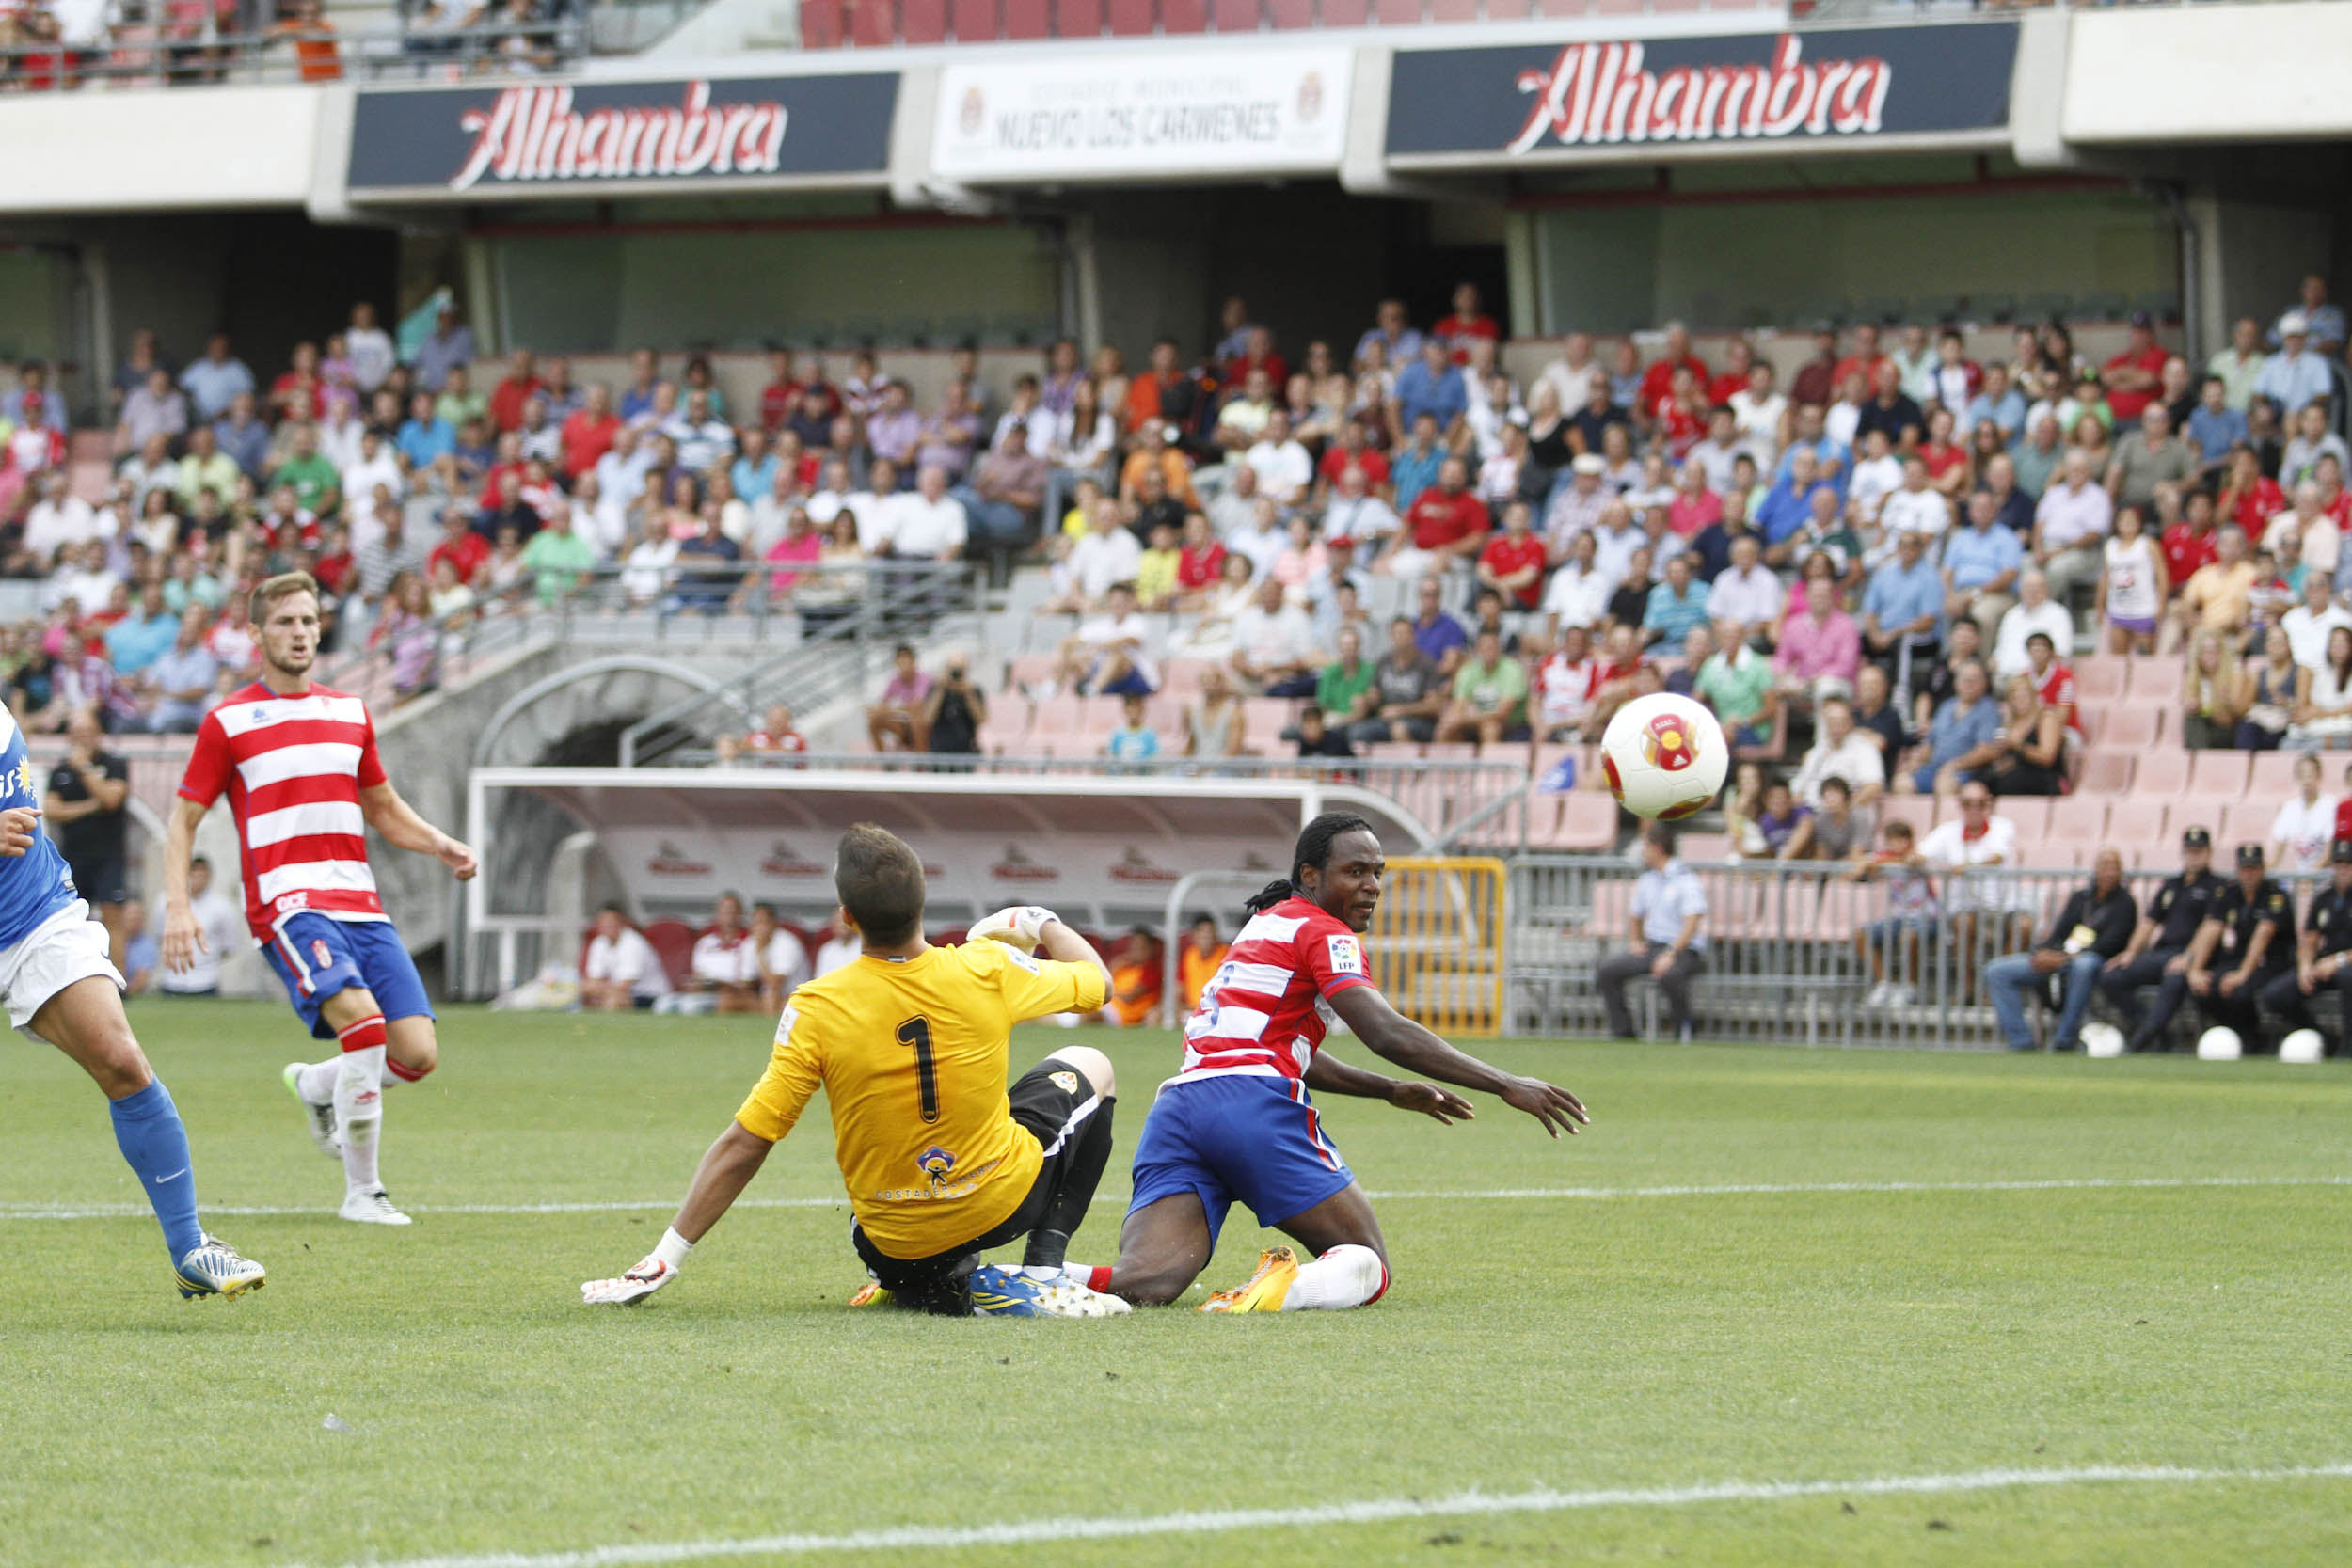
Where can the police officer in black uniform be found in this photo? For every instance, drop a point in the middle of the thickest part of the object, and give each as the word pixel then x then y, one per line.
pixel 2247 942
pixel 2159 947
pixel 2325 961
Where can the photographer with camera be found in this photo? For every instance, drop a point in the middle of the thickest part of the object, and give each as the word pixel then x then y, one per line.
pixel 954 712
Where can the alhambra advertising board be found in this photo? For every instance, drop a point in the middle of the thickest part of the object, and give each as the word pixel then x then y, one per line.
pixel 523 139
pixel 1525 104
pixel 1163 112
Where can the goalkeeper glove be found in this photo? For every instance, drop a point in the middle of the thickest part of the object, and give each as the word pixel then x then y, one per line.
pixel 655 1270
pixel 1021 926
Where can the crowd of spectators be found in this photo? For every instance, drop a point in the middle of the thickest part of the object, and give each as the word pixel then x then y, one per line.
pixel 1899 532
pixel 62 43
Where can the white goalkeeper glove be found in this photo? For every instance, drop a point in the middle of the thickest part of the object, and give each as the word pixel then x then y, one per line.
pixel 656 1269
pixel 1020 926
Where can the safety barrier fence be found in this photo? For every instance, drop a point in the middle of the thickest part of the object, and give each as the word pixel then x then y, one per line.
pixel 1797 952
pixel 615 603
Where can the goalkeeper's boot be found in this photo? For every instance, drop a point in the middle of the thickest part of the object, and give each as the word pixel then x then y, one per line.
pixel 1265 1290
pixel 214 1268
pixel 372 1208
pixel 872 1295
pixel 320 1118
pixel 998 1293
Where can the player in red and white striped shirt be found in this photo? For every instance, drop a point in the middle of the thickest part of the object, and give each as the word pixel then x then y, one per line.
pixel 1237 1123
pixel 300 766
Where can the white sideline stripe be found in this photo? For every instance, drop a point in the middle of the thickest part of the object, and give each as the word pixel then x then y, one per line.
pixel 2093 1183
pixel 1370 1510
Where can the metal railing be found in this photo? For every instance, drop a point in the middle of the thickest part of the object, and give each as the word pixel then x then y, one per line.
pixel 832 658
pixel 1790 949
pixel 613 604
pixel 143 51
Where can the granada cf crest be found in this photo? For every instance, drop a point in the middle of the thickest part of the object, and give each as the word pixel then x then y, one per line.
pixel 318 951
pixel 1667 743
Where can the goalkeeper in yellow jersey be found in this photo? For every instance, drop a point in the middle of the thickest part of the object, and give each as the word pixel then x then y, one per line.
pixel 941 1163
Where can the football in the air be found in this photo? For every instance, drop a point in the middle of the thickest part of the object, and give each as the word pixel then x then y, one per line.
pixel 1664 756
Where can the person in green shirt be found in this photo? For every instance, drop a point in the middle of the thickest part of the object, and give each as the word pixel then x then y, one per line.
pixel 1737 683
pixel 1340 685
pixel 459 401
pixel 1489 696
pixel 316 484
pixel 556 553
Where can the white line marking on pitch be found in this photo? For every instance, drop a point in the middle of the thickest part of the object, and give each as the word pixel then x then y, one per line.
pixel 1369 1512
pixel 1735 1189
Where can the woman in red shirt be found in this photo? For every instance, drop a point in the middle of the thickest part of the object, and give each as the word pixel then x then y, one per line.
pixel 1200 564
pixel 1948 462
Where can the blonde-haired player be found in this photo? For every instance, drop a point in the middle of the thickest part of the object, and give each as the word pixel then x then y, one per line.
pixel 911 1045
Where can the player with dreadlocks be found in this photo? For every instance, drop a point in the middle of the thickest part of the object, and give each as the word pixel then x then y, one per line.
pixel 1237 1123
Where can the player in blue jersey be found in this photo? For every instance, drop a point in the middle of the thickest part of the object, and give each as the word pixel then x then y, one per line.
pixel 59 985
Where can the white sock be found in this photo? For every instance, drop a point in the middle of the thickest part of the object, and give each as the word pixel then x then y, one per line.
pixel 317 1081
pixel 1348 1275
pixel 359 1109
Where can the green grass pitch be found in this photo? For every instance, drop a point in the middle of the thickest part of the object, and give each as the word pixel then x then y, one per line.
pixel 1542 1335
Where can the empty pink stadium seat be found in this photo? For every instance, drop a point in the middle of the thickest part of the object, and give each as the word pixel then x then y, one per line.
pixel 1057 719
pixel 1265 718
pixel 2163 771
pixel 1099 716
pixel 2140 821
pixel 1506 10
pixel 1289 14
pixel 975 21
pixel 1184 16
pixel 2120 725
pixel 2273 775
pixel 2105 773
pixel 2100 677
pixel 1345 13
pixel 2031 812
pixel 1234 16
pixel 1396 13
pixel 2220 773
pixel 1704 846
pixel 922 21
pixel 2079 818
pixel 1917 809
pixel 2157 679
pixel 1077 19
pixel 1031 669
pixel 1588 821
pixel 1181 677
pixel 873 23
pixel 1130 18
pixel 1026 19
pixel 1453 10
pixel 820 23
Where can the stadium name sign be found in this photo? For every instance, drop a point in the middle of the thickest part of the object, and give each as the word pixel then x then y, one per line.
pixel 1598 92
pixel 1544 102
pixel 536 133
pixel 483 142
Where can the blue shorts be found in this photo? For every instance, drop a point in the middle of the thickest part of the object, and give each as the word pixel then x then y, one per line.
pixel 317 956
pixel 1252 1138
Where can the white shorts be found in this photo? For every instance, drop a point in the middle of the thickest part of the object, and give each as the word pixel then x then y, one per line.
pixel 65 948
